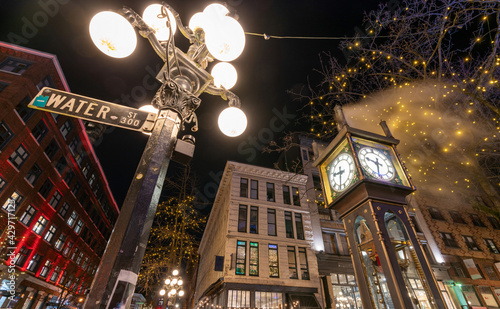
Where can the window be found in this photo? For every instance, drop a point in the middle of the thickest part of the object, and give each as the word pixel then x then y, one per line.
pixel 19 156
pixel 60 242
pixel 413 220
pixel 86 170
pixel 92 180
pixel 23 110
pixel 55 199
pixel 292 263
pixel 73 145
pixel 295 196
pixel 34 262
pixel 21 256
pixel 61 165
pixel 33 174
pixel 490 272
pixel 3 183
pixel 459 269
pixel 78 227
pixel 288 224
pixel 66 128
pixel 12 203
pixel 491 245
pixel 270 192
pixel 50 233
pixel 238 299
pixel 76 188
pixel 271 222
pixel 72 219
pixel 435 213
pixel 46 188
pixel 51 149
pixel 75 253
pixel 456 217
pixel 64 209
pixel 46 82
pixel 299 226
pixel 55 273
pixel 274 270
pixel 14 65
pixel 254 189
pixel 85 263
pixel 244 187
pixel 254 219
pixel 5 134
pixel 471 244
pixel 39 131
pixel 242 219
pixel 3 85
pixel 40 225
pixel 304 268
pixel 67 248
pixel 28 215
pixel 241 252
pixel 45 269
pixel 254 259
pixel 305 155
pixel 286 195
pixel 494 222
pixel 448 240
pixel 476 220
pixel 69 177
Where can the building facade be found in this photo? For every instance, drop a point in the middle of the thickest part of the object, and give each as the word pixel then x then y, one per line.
pixel 258 248
pixel 57 211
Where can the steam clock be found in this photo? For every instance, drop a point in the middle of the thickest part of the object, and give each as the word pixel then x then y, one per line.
pixel 364 180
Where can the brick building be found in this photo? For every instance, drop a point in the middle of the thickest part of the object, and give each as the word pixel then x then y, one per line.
pixel 257 250
pixel 52 191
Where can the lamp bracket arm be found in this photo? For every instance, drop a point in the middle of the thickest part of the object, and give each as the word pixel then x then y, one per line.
pixel 234 100
pixel 186 32
pixel 144 30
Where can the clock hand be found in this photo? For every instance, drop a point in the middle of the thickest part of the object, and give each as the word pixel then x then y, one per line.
pixel 340 172
pixel 377 164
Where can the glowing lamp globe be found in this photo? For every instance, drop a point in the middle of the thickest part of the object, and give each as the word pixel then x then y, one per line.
pixel 174 281
pixel 224 75
pixel 180 282
pixel 181 293
pixel 152 17
pixel 167 281
pixel 162 292
pixel 113 34
pixel 215 10
pixel 225 40
pixel 232 121
pixel 173 291
pixel 198 20
pixel 175 272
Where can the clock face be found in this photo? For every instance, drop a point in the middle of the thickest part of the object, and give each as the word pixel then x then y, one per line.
pixel 376 163
pixel 341 172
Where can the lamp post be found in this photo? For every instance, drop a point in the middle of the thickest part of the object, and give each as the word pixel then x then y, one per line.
pixel 212 34
pixel 173 284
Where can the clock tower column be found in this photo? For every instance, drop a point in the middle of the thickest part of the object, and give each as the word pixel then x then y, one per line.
pixel 365 181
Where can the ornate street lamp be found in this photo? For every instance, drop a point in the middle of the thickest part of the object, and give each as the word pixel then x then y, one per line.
pixel 213 34
pixel 173 284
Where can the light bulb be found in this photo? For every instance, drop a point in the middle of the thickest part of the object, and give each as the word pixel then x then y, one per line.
pixel 232 121
pixel 181 293
pixel 167 281
pixel 151 17
pixel 174 281
pixel 225 40
pixel 173 291
pixel 113 34
pixel 175 272
pixel 180 282
pixel 162 292
pixel 224 74
pixel 198 21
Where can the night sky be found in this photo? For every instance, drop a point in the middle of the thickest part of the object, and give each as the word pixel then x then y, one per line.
pixel 267 69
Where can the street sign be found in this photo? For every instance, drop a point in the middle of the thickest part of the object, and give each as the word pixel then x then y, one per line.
pixel 74 105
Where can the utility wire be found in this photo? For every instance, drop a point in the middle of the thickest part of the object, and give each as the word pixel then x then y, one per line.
pixel 267 37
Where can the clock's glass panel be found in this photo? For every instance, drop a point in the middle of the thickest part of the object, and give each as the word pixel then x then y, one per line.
pixel 338 171
pixel 379 162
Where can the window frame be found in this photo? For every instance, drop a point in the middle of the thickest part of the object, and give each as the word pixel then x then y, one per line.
pixel 254 248
pixel 289 230
pixel 19 156
pixel 270 192
pixel 242 218
pixel 241 260
pixel 292 264
pixel 271 213
pixel 243 187
pixel 254 220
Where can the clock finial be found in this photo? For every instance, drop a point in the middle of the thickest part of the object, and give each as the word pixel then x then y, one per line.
pixel 340 118
pixel 385 127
